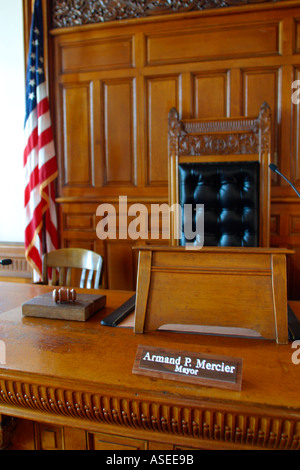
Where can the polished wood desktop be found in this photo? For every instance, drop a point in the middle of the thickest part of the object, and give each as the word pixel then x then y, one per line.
pixel 70 385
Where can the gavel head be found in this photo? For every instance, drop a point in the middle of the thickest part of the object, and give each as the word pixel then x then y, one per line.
pixel 64 295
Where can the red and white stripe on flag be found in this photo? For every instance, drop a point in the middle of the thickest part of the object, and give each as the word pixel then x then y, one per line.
pixel 39 157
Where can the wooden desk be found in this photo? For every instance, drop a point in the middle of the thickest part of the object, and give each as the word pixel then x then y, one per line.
pixel 71 386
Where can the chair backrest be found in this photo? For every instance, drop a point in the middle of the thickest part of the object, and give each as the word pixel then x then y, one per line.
pixel 223 164
pixel 66 261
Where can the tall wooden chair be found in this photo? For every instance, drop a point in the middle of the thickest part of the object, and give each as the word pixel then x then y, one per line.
pixel 223 164
pixel 67 262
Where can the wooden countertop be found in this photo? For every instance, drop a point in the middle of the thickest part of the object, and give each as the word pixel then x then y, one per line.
pixel 79 375
pixel 92 356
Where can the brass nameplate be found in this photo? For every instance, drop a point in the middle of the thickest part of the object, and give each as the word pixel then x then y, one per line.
pixel 191 367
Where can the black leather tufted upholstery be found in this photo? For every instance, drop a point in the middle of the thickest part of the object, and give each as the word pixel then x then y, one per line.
pixel 230 194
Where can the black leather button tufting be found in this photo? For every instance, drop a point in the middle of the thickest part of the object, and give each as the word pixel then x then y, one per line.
pixel 230 194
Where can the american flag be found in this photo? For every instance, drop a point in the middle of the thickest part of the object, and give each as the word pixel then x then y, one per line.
pixel 39 155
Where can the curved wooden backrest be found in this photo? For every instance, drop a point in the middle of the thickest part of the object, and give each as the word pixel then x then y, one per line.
pixel 221 141
pixel 65 260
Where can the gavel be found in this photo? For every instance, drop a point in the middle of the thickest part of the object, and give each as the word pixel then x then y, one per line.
pixel 64 295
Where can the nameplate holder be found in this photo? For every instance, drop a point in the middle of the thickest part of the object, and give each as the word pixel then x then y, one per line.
pixel 191 367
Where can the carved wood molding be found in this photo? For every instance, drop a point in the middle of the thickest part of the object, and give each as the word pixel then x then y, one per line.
pixel 221 137
pixel 265 125
pixel 217 144
pixel 204 421
pixel 80 12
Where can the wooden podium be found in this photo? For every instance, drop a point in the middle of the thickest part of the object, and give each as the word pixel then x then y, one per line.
pixel 232 289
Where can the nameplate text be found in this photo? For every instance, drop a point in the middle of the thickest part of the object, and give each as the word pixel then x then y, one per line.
pixel 192 367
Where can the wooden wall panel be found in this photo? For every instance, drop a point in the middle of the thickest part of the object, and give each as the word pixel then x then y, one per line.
pixel 285 233
pixel 259 85
pixel 232 40
pixel 296 126
pixel 211 94
pixel 119 258
pixel 101 441
pixel 162 95
pixel 96 54
pixel 48 437
pixel 297 36
pixel 114 84
pixel 76 135
pixel 119 132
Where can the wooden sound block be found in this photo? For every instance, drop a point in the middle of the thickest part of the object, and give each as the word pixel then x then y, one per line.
pixel 83 308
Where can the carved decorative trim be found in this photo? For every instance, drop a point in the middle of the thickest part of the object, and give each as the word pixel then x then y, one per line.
pixel 225 125
pixel 227 136
pixel 204 422
pixel 80 12
pixel 264 127
pixel 217 144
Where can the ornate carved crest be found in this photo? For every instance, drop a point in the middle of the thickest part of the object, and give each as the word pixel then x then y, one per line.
pixel 220 137
pixel 218 144
pixel 80 12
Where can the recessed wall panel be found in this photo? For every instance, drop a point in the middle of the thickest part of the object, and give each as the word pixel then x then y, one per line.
pixel 211 94
pixel 119 132
pixel 162 95
pixel 96 54
pixel 295 127
pixel 259 85
pixel 76 135
pixel 211 43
